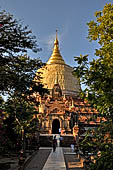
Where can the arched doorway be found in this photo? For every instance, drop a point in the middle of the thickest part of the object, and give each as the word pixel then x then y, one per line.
pixel 55 126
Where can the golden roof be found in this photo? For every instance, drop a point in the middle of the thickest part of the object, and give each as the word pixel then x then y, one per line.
pixel 56 57
pixel 57 72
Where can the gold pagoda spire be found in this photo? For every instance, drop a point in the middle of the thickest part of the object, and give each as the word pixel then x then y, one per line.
pixel 56 57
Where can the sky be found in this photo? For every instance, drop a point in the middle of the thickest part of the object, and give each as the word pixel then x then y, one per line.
pixel 69 17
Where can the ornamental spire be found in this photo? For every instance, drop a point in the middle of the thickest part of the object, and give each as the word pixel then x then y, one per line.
pixel 56 57
pixel 56 40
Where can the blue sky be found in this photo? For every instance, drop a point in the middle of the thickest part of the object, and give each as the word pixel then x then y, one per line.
pixel 68 16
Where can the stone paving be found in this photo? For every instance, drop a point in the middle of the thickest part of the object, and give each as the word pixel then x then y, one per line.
pixel 46 159
pixel 55 160
pixel 38 161
pixel 61 159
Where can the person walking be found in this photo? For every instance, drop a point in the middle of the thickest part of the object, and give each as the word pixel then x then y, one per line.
pixel 54 143
pixel 72 147
pixel 61 138
pixel 59 130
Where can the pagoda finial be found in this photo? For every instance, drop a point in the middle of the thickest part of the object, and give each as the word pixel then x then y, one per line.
pixel 56 57
pixel 56 33
pixel 56 40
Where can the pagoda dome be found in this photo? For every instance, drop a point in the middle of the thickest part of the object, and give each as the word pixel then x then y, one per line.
pixel 56 68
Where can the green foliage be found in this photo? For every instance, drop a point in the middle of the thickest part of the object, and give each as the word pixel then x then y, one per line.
pixel 102 29
pixel 100 144
pixel 21 117
pixel 17 72
pixel 17 75
pixel 13 37
pixel 21 111
pixel 16 68
pixel 5 142
pixel 97 75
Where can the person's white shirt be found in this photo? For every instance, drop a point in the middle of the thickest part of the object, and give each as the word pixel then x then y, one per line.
pixel 72 147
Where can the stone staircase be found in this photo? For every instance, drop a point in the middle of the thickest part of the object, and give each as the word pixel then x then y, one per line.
pixel 67 140
pixel 62 140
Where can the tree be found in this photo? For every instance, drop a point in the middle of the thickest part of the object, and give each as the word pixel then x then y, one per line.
pixel 97 75
pixel 5 142
pixel 21 122
pixel 17 72
pixel 15 41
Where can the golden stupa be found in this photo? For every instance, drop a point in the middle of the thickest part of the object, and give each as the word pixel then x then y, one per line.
pixel 56 71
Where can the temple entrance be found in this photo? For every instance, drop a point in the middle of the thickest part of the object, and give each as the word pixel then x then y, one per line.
pixel 55 126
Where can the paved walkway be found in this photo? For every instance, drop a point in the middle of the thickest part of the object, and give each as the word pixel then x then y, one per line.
pixel 61 159
pixel 55 160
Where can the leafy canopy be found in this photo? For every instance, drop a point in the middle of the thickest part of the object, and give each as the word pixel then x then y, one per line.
pixel 16 68
pixel 97 76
